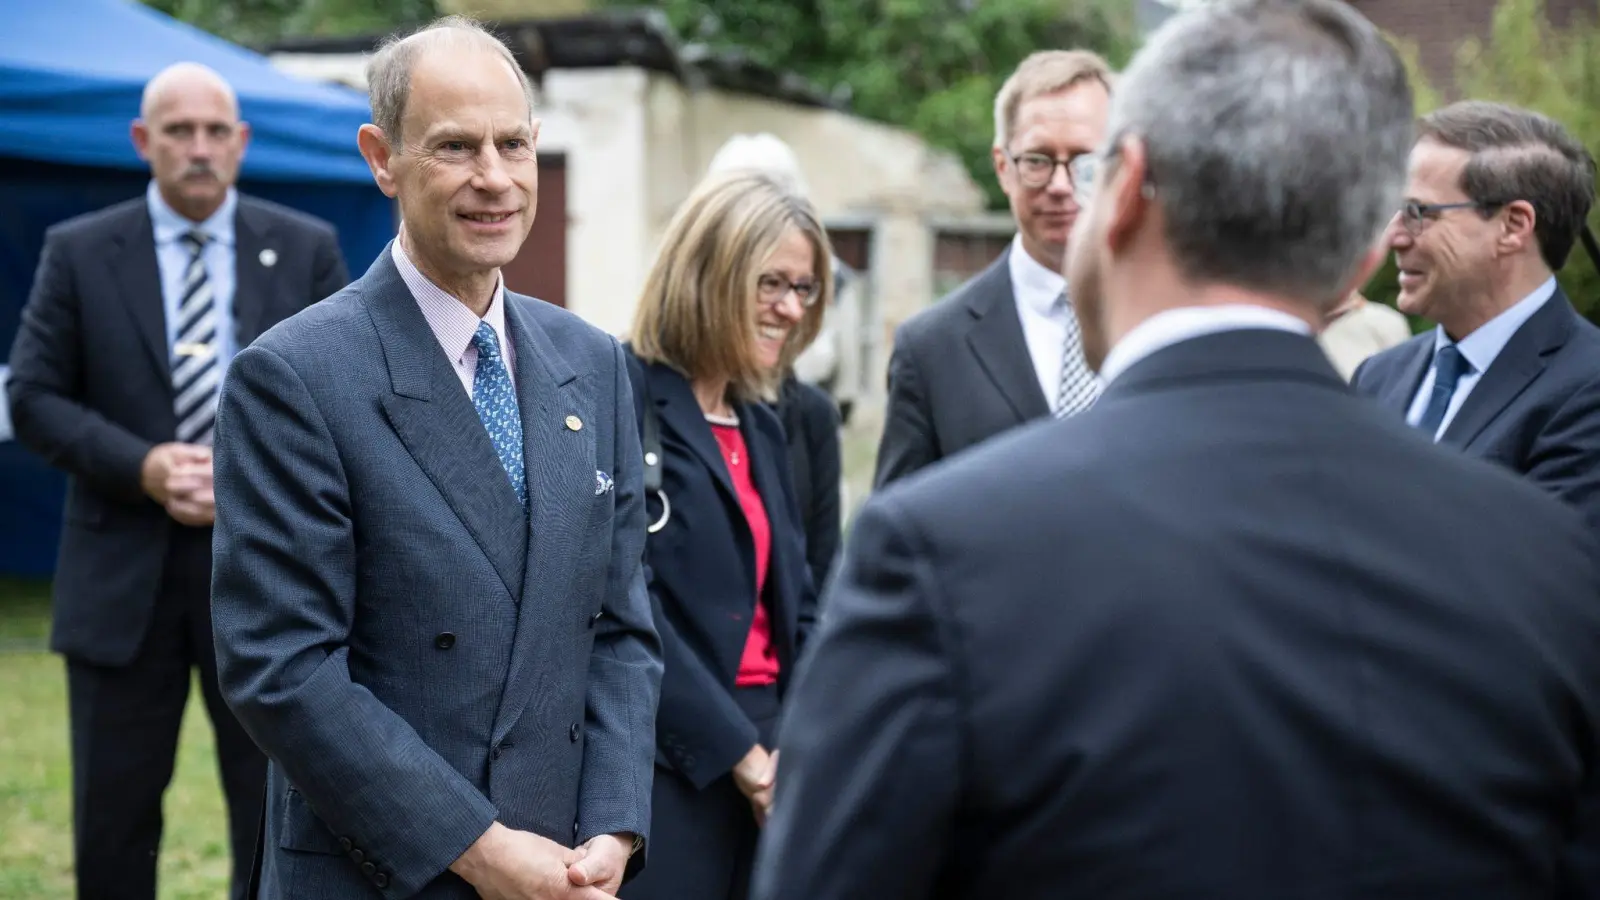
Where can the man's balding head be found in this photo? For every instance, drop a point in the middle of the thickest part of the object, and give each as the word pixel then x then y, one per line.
pixel 190 133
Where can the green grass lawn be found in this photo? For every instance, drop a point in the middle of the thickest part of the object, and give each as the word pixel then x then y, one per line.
pixel 36 773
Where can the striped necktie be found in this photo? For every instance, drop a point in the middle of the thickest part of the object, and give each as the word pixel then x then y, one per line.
pixel 1079 387
pixel 197 371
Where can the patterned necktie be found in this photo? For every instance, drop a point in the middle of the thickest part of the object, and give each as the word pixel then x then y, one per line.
pixel 1448 367
pixel 198 371
pixel 496 401
pixel 1079 387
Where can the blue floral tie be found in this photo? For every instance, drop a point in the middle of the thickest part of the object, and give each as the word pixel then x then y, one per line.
pixel 497 407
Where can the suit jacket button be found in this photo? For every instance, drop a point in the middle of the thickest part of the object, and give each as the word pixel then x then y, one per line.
pixel 347 844
pixel 358 856
pixel 368 869
pixel 573 732
pixel 445 641
pixel 381 879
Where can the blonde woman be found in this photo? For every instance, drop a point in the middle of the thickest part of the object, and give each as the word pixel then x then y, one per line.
pixel 736 293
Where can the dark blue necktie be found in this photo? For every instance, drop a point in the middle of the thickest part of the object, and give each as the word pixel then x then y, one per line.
pixel 1448 367
pixel 497 406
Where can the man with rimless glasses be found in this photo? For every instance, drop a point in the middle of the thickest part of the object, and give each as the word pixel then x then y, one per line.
pixel 1005 348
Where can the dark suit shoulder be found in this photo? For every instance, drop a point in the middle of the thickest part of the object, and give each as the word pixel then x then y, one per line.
pixel 283 216
pixel 321 328
pixel 814 407
pixel 1376 370
pixel 100 224
pixel 945 318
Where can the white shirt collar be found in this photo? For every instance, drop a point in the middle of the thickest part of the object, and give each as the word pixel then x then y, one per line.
pixel 453 323
pixel 169 225
pixel 1174 326
pixel 1033 284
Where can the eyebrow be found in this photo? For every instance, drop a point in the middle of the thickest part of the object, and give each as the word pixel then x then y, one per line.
pixel 444 133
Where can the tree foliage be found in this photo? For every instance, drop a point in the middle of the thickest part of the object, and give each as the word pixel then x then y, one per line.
pixel 931 66
pixel 254 23
pixel 1528 62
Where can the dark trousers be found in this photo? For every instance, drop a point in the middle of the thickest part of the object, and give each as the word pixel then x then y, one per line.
pixel 703 843
pixel 125 723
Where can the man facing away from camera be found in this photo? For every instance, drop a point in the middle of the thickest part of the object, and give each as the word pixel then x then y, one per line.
pixel 1234 632
pixel 429 598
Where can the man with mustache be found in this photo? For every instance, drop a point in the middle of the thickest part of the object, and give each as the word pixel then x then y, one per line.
pixel 135 313
pixel 1005 347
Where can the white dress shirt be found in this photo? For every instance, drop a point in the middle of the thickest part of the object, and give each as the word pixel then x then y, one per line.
pixel 1173 326
pixel 1480 349
pixel 454 325
pixel 1035 289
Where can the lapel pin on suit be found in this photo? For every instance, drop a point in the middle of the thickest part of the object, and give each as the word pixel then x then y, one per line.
pixel 269 257
pixel 574 423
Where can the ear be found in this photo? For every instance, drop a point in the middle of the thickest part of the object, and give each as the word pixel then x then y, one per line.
pixel 1517 230
pixel 379 155
pixel 1001 165
pixel 139 132
pixel 1128 194
pixel 244 135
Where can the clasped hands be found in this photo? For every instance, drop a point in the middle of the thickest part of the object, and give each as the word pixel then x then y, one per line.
pixel 178 476
pixel 757 777
pixel 506 864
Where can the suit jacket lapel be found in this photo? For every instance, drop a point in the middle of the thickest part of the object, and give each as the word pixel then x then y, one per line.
pixel 767 451
pixel 435 419
pixel 997 341
pixel 253 279
pixel 681 413
pixel 135 269
pixel 558 452
pixel 1519 363
pixel 1399 393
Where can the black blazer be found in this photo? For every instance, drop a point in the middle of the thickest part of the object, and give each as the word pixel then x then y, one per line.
pixel 91 393
pixel 811 424
pixel 1536 411
pixel 960 373
pixel 702 578
pixel 1232 633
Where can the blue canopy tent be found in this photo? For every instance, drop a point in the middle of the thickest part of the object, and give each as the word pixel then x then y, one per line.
pixel 71 76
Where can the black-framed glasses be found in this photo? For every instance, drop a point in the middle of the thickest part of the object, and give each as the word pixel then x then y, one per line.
pixel 1035 170
pixel 1415 216
pixel 773 288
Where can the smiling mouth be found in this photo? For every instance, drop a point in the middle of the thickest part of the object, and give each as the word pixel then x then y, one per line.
pixel 486 218
pixel 771 333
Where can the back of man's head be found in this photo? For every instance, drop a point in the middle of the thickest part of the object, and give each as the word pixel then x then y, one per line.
pixel 1276 135
pixel 1519 154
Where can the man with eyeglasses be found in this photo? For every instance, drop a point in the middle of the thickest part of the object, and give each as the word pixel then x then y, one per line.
pixel 1511 373
pixel 1005 348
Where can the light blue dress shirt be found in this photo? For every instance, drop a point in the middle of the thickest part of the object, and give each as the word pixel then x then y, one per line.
pixel 1480 349
pixel 172 256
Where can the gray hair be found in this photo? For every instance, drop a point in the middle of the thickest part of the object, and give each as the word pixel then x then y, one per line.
pixel 1518 154
pixel 762 152
pixel 1277 134
pixel 389 70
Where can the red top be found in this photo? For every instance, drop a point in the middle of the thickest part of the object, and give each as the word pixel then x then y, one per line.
pixel 759 665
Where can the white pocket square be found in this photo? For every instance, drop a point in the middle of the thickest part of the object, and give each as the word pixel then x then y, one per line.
pixel 602 483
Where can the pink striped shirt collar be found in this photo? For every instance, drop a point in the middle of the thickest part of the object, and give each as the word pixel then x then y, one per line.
pixel 453 323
